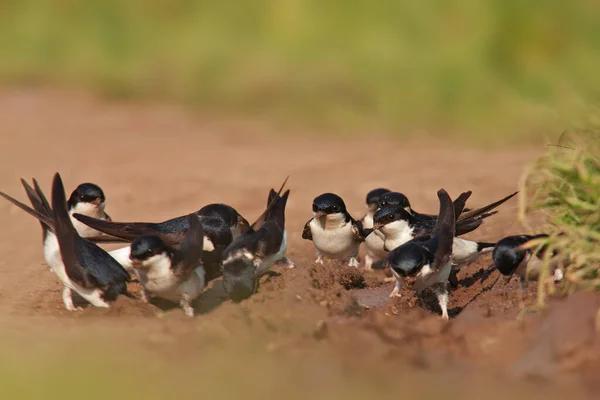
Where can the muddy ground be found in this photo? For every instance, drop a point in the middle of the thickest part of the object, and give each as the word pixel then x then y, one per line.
pixel 323 331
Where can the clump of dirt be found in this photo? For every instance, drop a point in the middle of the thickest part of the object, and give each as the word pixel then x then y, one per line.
pixel 325 276
pixel 322 276
pixel 351 278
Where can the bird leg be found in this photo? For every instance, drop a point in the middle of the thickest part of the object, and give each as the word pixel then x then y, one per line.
pixel 368 263
pixel 144 295
pixel 558 275
pixel 441 291
pixel 290 264
pixel 522 289
pixel 68 300
pixel 319 259
pixel 186 304
pixel 353 262
pixel 396 291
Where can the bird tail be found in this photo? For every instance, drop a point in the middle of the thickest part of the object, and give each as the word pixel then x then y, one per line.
pixel 468 221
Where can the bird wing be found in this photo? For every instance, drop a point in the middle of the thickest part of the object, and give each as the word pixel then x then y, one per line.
pixel 189 255
pixel 444 230
pixel 306 232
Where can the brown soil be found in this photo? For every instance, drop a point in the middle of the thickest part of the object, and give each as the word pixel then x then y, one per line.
pixel 324 330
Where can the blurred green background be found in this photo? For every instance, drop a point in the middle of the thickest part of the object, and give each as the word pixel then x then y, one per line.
pixel 468 67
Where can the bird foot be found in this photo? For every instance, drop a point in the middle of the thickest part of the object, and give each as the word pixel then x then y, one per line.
pixel 353 262
pixel 187 308
pixel 286 261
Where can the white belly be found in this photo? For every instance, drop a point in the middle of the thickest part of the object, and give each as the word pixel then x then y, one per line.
pixel 394 242
pixel 161 282
pixel 54 259
pixel 90 211
pixel 463 250
pixel 338 243
pixel 367 221
pixel 374 247
pixel 428 277
pixel 267 262
pixel 396 234
pixel 122 257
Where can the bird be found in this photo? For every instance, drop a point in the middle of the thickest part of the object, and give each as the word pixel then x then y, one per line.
pixel 218 227
pixel 221 224
pixel 518 255
pixel 175 274
pixel 252 254
pixel 399 199
pixel 427 261
pixel 398 226
pixel 372 202
pixel 333 231
pixel 79 264
pixel 234 220
pixel 174 227
pixel 87 199
pixel 373 243
pixel 43 212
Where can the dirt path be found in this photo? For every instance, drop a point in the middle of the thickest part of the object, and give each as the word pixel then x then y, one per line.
pixel 156 161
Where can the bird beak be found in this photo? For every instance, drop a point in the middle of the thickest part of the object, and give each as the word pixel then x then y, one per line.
pixel 98 202
pixel 377 225
pixel 320 214
pixel 372 208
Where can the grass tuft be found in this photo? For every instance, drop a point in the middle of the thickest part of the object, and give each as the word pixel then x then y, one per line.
pixel 564 186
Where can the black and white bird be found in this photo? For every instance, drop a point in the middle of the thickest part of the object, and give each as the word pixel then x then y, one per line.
pixel 79 264
pixel 372 202
pixel 175 274
pixel 373 243
pixel 218 222
pixel 427 261
pixel 253 254
pixel 333 231
pixel 43 212
pixel 399 199
pixel 397 226
pixel 87 199
pixel 518 255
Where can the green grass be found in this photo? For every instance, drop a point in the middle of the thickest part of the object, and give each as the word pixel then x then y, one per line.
pixel 564 186
pixel 482 66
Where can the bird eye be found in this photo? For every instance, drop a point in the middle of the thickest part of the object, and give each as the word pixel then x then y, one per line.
pixel 391 217
pixel 335 208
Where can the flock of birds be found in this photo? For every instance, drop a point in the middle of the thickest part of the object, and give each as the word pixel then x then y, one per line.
pixel 175 259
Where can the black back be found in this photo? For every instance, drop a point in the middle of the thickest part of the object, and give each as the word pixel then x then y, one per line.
pixel 444 229
pixel 226 213
pixel 189 255
pixel 267 240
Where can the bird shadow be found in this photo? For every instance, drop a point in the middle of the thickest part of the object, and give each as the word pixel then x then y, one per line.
pixel 211 299
pixel 428 299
